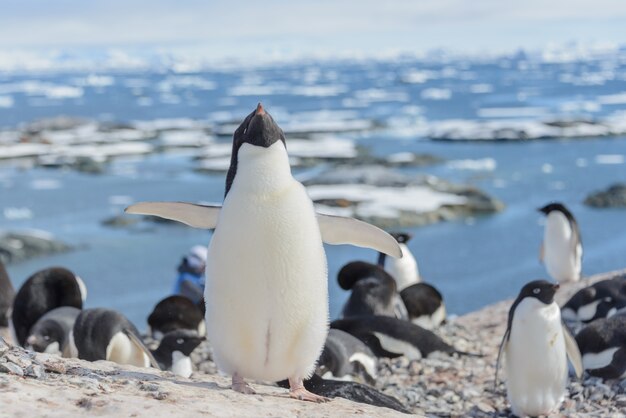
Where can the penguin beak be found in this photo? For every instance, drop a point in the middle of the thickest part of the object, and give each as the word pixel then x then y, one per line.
pixel 259 110
pixel 31 340
pixel 556 287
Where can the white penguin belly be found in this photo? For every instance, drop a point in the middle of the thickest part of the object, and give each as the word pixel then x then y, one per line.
pixel 403 270
pixel 266 287
pixel 536 362
pixel 562 258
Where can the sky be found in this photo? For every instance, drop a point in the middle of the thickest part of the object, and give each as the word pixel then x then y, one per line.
pixel 242 28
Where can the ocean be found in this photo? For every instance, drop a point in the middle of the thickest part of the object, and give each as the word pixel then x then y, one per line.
pixel 473 261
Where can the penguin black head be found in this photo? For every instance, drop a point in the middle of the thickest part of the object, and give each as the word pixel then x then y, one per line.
pixel 45 333
pixel 402 237
pixel 357 271
pixel 258 129
pixel 556 206
pixel 184 341
pixel 541 290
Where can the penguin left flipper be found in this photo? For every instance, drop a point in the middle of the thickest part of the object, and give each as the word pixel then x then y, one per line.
pixel 192 214
pixel 141 347
pixel 337 230
pixel 573 352
pixel 503 344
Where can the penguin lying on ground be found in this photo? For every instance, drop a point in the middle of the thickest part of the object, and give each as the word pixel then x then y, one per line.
pixel 43 291
pixel 353 391
pixel 373 291
pixel 174 351
pixel 392 337
pixel 562 248
pixel 536 346
pixel 424 305
pixel 602 344
pixel 266 235
pixel 403 270
pixel 600 300
pixel 173 313
pixel 104 334
pixel 6 301
pixel 51 333
pixel 347 358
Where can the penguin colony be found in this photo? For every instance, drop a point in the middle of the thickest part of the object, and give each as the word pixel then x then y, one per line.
pixel 259 333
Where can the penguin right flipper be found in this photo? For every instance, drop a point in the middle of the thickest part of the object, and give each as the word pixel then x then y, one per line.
pixel 192 214
pixel 573 352
pixel 338 230
pixel 541 253
pixel 503 344
pixel 134 339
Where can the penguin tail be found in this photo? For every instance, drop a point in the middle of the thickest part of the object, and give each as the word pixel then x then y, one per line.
pixel 141 347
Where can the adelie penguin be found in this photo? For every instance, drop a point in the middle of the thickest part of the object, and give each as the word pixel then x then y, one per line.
pixel 104 334
pixel 424 305
pixel 51 333
pixel 600 300
pixel 174 351
pixel 174 313
pixel 392 337
pixel 266 275
pixel 602 344
pixel 373 291
pixel 561 250
pixel 404 270
pixel 43 291
pixel 536 346
pixel 347 358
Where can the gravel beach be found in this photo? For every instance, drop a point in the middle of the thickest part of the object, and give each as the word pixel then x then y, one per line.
pixel 438 386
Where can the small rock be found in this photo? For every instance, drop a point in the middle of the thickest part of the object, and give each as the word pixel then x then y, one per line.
pixel 148 387
pixel 485 407
pixel 18 358
pixel 36 370
pixel 55 367
pixel 11 369
pixel 160 396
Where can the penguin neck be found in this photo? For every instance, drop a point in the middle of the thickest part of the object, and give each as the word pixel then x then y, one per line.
pixel 557 226
pixel 162 356
pixel 262 170
pixel 181 364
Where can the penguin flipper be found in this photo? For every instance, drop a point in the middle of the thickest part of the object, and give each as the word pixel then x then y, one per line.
pixel 541 253
pixel 571 348
pixel 338 230
pixel 192 214
pixel 134 339
pixel 503 345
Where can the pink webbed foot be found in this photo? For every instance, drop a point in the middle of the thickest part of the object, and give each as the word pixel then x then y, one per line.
pixel 240 385
pixel 298 391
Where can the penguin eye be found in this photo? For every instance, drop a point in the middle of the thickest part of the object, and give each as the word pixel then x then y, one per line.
pixel 180 341
pixel 536 290
pixel 46 337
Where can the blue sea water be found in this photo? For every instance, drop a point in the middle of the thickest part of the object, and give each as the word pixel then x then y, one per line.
pixel 473 261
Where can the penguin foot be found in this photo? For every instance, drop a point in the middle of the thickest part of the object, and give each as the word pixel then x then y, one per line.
pixel 298 391
pixel 240 385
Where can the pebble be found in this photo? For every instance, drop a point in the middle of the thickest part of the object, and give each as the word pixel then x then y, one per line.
pixel 11 369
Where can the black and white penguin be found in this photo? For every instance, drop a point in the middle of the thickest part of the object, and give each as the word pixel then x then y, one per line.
pixel 602 344
pixel 174 351
pixel 347 358
pixel 424 305
pixel 600 300
pixel 266 235
pixel 562 248
pixel 51 333
pixel 536 346
pixel 174 313
pixel 43 291
pixel 373 291
pixel 404 270
pixel 392 337
pixel 7 294
pixel 356 392
pixel 104 334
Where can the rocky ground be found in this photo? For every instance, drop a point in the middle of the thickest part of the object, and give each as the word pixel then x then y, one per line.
pixel 439 386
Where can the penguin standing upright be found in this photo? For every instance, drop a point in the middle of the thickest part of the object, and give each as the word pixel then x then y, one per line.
pixel 536 345
pixel 562 249
pixel 404 270
pixel 266 276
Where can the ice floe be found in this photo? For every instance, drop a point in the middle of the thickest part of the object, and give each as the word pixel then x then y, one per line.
pixel 609 159
pixel 483 164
